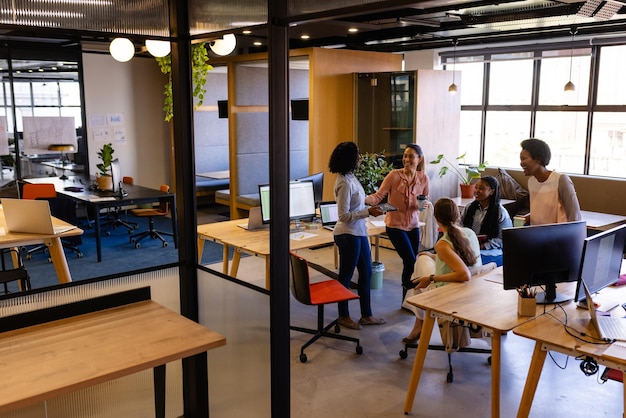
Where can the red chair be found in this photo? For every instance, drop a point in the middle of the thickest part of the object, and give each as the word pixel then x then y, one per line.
pixel 318 294
pixel 161 210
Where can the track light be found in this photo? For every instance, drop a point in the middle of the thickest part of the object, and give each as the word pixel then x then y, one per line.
pixel 158 48
pixel 224 46
pixel 122 49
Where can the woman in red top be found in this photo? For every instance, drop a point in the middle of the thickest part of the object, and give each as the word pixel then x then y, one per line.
pixel 403 186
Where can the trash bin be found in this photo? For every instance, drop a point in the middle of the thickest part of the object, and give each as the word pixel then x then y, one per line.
pixel 377 275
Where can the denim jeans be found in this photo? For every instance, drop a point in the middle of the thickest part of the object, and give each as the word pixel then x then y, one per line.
pixel 355 252
pixel 406 244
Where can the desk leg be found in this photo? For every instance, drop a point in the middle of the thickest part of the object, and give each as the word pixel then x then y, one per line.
pixel 174 222
pixel 534 373
pixel 55 248
pixel 236 259
pixel 225 251
pixel 624 386
pixel 16 264
pixel 418 363
pixel 376 247
pixel 496 353
pixel 159 391
pixel 200 249
pixel 96 225
pixel 267 272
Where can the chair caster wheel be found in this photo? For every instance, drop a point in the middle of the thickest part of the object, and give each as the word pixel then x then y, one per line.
pixel 449 377
pixel 359 350
pixel 108 233
pixel 79 255
pixel 50 260
pixel 137 245
pixel 403 354
pixel 303 358
pixel 164 244
pixel 337 329
pixel 29 256
pixel 130 231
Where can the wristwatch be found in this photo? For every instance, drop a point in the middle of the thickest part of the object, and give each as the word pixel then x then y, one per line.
pixel 432 277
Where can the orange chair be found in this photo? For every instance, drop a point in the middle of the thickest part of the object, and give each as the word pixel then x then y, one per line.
pixel 161 210
pixel 318 294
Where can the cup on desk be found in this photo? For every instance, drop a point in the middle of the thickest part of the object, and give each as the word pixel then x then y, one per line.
pixel 519 221
pixel 421 202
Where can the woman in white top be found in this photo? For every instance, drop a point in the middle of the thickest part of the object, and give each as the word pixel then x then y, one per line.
pixel 552 195
pixel 350 232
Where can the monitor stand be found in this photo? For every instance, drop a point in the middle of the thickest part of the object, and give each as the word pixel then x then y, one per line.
pixel 550 296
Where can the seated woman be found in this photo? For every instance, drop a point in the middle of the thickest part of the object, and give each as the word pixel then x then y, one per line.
pixel 456 251
pixel 486 217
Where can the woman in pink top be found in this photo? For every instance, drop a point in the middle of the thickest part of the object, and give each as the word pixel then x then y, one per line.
pixel 403 186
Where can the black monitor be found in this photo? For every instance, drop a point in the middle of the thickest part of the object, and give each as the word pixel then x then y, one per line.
pixel 543 255
pixel 301 201
pixel 318 185
pixel 116 175
pixel 601 260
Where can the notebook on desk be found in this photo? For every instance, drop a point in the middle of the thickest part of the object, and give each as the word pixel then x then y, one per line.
pixel 610 328
pixel 30 216
pixel 329 215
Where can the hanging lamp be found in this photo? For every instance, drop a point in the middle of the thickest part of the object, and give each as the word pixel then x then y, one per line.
pixel 569 86
pixel 453 88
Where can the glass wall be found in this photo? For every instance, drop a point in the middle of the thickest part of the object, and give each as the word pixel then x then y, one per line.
pixel 508 96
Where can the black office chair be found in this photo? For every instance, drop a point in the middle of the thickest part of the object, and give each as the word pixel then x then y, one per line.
pixel 318 294
pixel 161 210
pixel 10 273
pixel 114 218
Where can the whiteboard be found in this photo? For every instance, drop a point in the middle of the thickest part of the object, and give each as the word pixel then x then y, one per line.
pixel 43 131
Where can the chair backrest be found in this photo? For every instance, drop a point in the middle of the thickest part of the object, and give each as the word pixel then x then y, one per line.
pixel 164 203
pixel 128 180
pixel 300 279
pixel 38 191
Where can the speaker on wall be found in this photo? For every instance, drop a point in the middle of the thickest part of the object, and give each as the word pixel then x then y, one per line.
pixel 222 109
pixel 300 109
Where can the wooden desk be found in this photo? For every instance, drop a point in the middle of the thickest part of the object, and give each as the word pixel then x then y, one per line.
pixel 257 242
pixel 53 242
pixel 136 195
pixel 481 302
pixel 598 220
pixel 550 335
pixel 216 175
pixel 43 361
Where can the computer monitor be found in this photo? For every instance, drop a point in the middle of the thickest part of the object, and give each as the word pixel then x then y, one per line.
pixel 301 201
pixel 601 260
pixel 116 175
pixel 543 255
pixel 318 185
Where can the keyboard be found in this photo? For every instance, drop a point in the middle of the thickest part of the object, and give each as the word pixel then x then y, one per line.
pixel 612 328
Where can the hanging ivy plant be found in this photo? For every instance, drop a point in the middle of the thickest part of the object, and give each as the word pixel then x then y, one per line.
pixel 199 70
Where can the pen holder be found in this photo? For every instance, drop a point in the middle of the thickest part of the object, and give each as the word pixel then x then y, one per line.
pixel 526 306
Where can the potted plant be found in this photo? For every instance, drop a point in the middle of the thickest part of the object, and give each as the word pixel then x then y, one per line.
pixel 470 173
pixel 372 170
pixel 103 177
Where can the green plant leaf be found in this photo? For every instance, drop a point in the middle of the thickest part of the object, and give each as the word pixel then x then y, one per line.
pixel 372 170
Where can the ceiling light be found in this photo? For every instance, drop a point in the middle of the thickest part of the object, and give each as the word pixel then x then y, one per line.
pixel 257 43
pixel 453 88
pixel 158 48
pixel 569 86
pixel 246 32
pixel 122 49
pixel 304 37
pixel 224 46
pixel 353 30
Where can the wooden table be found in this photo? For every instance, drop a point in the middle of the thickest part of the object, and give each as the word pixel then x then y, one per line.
pixel 550 335
pixel 257 242
pixel 601 221
pixel 99 200
pixel 53 242
pixel 481 301
pixel 44 361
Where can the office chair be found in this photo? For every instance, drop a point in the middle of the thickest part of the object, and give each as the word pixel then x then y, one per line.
pixel 9 273
pixel 452 333
pixel 116 212
pixel 161 210
pixel 318 294
pixel 61 208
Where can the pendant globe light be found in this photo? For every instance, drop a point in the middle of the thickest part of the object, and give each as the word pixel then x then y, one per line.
pixel 224 46
pixel 569 86
pixel 122 49
pixel 158 48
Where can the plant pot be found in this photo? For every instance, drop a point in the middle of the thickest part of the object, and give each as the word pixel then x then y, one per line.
pixel 105 182
pixel 467 190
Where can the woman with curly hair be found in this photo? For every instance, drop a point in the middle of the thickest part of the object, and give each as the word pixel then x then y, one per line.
pixel 350 232
pixel 455 252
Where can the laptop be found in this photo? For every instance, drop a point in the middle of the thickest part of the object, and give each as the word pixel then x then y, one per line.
pixel 329 215
pixel 30 216
pixel 609 328
pixel 255 220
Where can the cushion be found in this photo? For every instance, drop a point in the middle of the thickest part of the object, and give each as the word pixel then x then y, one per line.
pixel 509 188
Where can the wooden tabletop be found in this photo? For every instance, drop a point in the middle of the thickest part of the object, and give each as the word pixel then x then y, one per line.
pixel 600 220
pixel 44 361
pixel 217 175
pixel 14 239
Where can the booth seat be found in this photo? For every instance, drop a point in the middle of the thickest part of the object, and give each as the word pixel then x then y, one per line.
pixel 207 188
pixel 244 201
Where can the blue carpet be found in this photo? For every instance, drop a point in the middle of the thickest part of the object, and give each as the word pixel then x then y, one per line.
pixel 118 255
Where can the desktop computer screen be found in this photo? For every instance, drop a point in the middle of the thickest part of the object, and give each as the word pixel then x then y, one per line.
pixel 301 201
pixel 116 175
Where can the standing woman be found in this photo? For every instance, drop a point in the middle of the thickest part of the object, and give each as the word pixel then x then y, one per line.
pixel 402 186
pixel 552 195
pixel 486 217
pixel 350 233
